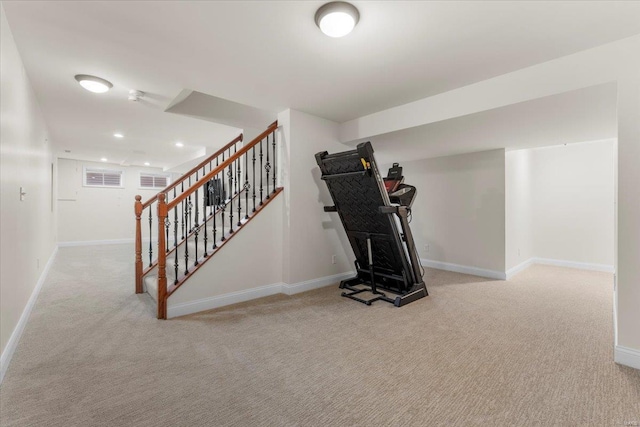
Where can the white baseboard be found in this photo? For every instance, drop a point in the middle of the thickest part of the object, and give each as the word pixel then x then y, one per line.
pixel 559 263
pixel 574 264
pixel 12 344
pixel 222 300
pixel 95 242
pixel 474 271
pixel 307 285
pixel 627 356
pixel 518 268
pixel 249 294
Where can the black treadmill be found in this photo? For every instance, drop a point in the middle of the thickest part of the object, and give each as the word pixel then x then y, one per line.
pixel 375 214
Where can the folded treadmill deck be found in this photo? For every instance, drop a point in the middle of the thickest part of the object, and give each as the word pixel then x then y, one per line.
pixel 385 256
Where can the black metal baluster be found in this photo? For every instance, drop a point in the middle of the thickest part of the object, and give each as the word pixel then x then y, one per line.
pixel 206 190
pixel 267 167
pixel 217 196
pixel 167 234
pixel 223 205
pixel 254 177
pixel 260 172
pixel 235 150
pixel 238 188
pixel 167 223
pixel 246 185
pixel 230 175
pixel 150 237
pixel 189 204
pixel 189 227
pixel 187 214
pixel 196 226
pixel 175 221
pixel 182 217
pixel 175 239
pixel 274 162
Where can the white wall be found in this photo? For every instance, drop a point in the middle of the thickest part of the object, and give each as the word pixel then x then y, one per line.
pixel 93 213
pixel 518 205
pixel 560 205
pixel 252 259
pixel 573 209
pixel 27 228
pixel 311 236
pixel 628 261
pixel 459 209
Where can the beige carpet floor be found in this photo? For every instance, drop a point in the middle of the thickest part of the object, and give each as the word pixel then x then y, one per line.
pixel 533 351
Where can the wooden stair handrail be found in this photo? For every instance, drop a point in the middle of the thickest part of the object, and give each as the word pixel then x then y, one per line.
pixel 272 127
pixel 193 170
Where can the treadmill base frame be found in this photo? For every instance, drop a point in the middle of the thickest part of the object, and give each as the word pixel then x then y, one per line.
pixel 418 291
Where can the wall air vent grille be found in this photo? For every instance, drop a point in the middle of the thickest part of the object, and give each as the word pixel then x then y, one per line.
pixel 150 180
pixel 103 178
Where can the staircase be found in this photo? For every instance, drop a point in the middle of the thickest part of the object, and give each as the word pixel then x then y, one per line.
pixel 187 223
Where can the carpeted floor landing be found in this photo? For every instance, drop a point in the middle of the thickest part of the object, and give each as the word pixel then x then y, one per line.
pixel 533 351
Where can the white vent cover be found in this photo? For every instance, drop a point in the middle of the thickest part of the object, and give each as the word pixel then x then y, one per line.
pixel 151 180
pixel 102 178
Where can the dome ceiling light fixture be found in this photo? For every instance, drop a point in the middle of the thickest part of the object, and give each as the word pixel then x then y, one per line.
pixel 93 84
pixel 337 19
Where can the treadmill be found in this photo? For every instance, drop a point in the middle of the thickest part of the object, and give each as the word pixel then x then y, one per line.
pixel 375 213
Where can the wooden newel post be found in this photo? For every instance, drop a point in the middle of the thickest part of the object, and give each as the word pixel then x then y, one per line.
pixel 162 258
pixel 138 211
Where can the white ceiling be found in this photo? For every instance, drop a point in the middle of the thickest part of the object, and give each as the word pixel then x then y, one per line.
pixel 571 117
pixel 270 55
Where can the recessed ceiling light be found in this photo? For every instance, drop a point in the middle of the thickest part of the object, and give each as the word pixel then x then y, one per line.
pixel 147 164
pixel 337 19
pixel 93 83
pixel 118 135
pixel 179 144
pixel 104 159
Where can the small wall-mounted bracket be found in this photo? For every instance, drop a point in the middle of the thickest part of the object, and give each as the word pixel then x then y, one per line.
pixel 22 194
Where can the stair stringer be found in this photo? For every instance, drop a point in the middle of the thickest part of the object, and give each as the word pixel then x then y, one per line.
pixel 248 266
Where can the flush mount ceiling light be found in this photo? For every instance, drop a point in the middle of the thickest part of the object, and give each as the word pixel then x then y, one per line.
pixel 147 164
pixel 93 83
pixel 337 19
pixel 118 135
pixel 104 159
pixel 179 144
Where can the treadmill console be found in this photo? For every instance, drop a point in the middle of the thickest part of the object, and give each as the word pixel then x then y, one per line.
pixel 399 193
